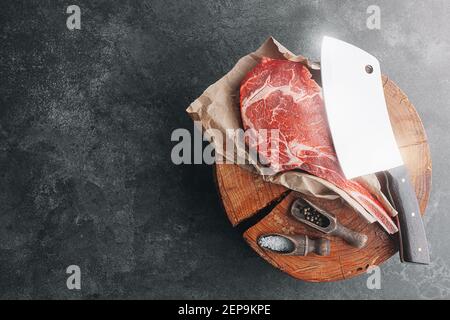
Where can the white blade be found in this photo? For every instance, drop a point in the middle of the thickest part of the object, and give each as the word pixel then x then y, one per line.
pixel 356 110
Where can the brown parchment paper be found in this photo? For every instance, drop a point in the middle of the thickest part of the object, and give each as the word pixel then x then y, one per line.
pixel 217 111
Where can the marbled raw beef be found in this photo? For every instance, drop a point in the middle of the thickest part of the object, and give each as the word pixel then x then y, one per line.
pixel 280 94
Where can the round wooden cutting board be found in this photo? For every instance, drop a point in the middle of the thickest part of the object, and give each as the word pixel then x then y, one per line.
pixel 244 194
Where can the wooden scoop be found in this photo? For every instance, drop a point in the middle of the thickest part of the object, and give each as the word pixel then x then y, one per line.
pixel 294 245
pixel 318 219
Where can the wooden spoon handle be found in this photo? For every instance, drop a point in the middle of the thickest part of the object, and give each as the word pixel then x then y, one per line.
pixel 353 238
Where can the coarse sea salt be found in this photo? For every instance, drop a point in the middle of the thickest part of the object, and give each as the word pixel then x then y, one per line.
pixel 276 243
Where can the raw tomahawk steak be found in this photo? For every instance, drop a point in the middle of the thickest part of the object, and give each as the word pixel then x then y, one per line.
pixel 280 94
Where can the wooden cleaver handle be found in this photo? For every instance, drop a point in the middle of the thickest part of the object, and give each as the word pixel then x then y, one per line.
pixel 413 241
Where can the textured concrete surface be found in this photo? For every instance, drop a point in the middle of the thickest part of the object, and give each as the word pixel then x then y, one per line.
pixel 85 124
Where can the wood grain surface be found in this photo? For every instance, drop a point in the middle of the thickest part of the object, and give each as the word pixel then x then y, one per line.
pixel 243 194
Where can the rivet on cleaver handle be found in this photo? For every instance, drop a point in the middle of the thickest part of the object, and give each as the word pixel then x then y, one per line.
pixel 413 241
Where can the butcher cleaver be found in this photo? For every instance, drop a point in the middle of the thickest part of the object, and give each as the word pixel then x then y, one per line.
pixel 363 137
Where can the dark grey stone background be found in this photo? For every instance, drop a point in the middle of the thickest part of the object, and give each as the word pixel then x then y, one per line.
pixel 85 124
